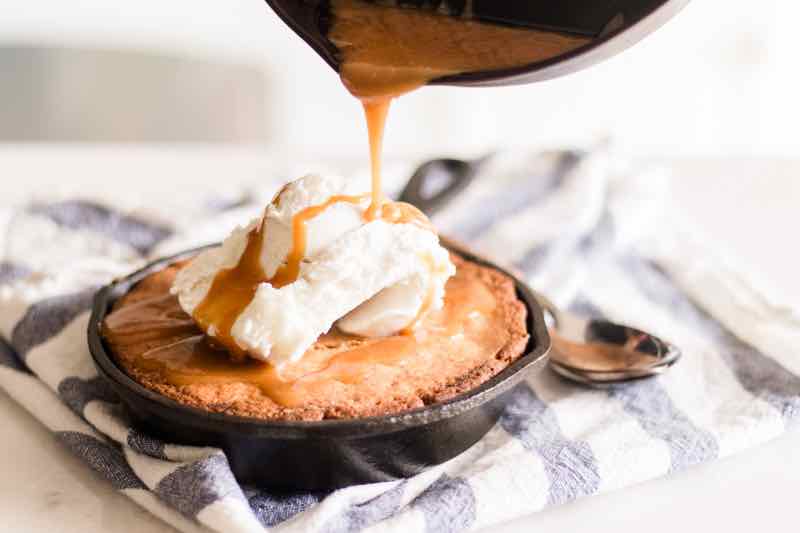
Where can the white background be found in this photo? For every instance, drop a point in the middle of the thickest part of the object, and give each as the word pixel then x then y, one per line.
pixel 722 78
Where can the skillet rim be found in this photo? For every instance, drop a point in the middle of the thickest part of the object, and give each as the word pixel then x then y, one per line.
pixel 534 357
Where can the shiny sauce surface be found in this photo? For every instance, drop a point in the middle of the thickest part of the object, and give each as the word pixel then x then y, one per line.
pixel 387 51
pixel 156 336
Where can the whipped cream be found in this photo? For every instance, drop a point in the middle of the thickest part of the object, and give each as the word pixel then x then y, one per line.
pixel 370 278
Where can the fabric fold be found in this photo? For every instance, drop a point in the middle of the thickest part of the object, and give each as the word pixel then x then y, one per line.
pixel 587 228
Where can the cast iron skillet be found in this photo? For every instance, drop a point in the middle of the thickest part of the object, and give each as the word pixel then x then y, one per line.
pixel 331 453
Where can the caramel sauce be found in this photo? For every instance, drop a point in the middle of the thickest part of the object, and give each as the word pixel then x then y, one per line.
pixel 376 111
pixel 403 213
pixel 233 289
pixel 389 51
pixel 290 270
pixel 158 337
pixel 231 292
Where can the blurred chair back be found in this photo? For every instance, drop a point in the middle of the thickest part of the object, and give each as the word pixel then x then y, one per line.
pixel 66 95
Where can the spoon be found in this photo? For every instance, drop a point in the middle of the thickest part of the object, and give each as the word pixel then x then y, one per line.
pixel 600 353
pixel 593 352
pixel 612 26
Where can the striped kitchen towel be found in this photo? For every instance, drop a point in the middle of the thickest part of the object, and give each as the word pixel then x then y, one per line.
pixel 586 229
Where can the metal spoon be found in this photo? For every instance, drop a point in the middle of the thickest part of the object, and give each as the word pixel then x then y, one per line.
pixel 593 352
pixel 612 27
pixel 600 353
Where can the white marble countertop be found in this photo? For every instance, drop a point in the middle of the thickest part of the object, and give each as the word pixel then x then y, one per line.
pixel 751 206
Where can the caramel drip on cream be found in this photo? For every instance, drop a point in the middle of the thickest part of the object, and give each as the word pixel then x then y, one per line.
pixel 231 292
pixel 290 270
pixel 233 289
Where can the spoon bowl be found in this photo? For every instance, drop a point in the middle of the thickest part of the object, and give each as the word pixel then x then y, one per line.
pixel 600 353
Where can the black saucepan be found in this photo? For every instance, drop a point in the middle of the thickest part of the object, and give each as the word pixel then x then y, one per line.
pixel 612 25
pixel 330 453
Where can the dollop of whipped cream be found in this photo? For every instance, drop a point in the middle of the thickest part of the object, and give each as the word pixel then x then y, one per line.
pixel 370 278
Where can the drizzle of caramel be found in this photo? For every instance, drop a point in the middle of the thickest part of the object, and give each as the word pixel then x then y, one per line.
pixel 290 270
pixel 158 337
pixel 231 292
pixel 376 111
pixel 403 213
pixel 233 289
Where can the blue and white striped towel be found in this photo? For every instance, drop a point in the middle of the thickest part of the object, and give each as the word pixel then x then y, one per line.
pixel 586 230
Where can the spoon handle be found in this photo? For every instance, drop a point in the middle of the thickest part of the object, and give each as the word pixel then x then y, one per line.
pixel 456 175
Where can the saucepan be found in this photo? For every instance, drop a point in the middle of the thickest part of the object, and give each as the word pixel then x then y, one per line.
pixel 611 26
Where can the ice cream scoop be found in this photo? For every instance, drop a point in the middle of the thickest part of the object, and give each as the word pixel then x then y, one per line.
pixel 315 259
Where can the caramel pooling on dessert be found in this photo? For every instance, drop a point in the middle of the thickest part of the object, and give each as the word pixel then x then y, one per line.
pixel 163 340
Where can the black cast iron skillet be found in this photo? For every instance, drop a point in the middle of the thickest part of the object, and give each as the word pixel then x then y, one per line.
pixel 331 453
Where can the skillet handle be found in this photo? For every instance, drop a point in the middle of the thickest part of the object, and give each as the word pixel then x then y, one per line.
pixel 435 183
